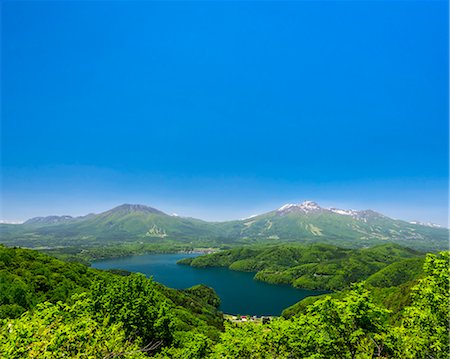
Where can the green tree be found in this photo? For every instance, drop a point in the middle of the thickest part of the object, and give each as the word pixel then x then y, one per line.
pixel 425 329
pixel 242 341
pixel 62 331
pixel 135 302
pixel 350 327
pixel 187 345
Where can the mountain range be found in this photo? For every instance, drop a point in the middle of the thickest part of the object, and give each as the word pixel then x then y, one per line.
pixel 303 222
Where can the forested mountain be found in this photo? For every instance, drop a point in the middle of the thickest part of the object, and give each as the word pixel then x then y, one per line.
pixel 304 222
pixel 75 311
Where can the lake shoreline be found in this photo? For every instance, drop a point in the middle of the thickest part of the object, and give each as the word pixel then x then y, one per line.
pixel 199 251
pixel 238 291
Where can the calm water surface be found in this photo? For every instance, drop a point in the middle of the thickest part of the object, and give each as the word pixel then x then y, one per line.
pixel 239 293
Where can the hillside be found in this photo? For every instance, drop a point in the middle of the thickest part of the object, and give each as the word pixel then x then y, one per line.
pixel 75 311
pixel 305 222
pixel 389 286
pixel 147 311
pixel 317 266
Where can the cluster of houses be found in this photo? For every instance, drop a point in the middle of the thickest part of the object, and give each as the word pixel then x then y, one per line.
pixel 247 318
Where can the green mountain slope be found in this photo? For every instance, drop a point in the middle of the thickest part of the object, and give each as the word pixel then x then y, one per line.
pixel 390 287
pixel 124 223
pixel 305 222
pixel 310 222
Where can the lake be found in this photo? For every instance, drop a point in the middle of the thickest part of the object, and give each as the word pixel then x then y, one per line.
pixel 239 293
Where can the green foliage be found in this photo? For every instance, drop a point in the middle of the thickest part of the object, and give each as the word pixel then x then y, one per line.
pixel 390 287
pixel 302 306
pixel 425 329
pixel 351 327
pixel 351 324
pixel 144 311
pixel 207 294
pixel 62 331
pixel 397 273
pixel 246 341
pixel 104 315
pixel 194 311
pixel 29 277
pixel 188 345
pixel 135 302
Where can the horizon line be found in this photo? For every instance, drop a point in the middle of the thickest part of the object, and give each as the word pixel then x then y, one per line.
pixel 173 214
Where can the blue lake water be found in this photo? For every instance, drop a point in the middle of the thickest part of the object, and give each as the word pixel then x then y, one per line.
pixel 238 291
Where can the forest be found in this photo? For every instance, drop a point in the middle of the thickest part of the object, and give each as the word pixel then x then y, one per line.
pixel 55 309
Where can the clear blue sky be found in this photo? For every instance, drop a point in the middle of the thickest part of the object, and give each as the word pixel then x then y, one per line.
pixel 220 110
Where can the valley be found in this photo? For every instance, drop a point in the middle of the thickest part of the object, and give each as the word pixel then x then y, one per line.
pixel 100 312
pixel 239 293
pixel 320 274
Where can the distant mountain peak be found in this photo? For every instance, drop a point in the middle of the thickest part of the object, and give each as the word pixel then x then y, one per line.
pixel 133 208
pixel 49 220
pixel 304 207
pixel 307 207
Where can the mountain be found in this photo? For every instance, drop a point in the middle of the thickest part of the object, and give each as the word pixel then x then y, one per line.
pixel 48 220
pixel 125 223
pixel 125 209
pixel 303 222
pixel 309 221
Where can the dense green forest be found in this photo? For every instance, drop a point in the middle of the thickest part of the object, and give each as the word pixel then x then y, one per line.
pixel 88 307
pixel 55 309
pixel 317 266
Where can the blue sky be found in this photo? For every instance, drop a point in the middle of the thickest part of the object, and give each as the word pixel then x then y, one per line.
pixel 220 110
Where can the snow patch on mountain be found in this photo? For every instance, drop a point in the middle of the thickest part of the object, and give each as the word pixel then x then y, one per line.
pixel 308 207
pixel 305 207
pixel 250 217
pixel 428 224
pixel 344 212
pixel 286 206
